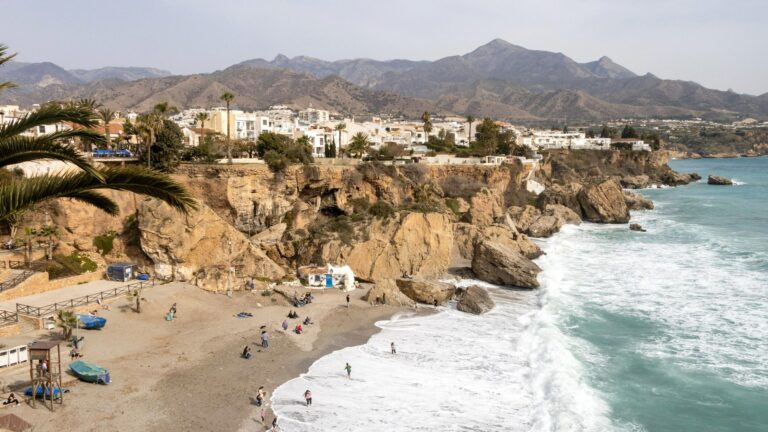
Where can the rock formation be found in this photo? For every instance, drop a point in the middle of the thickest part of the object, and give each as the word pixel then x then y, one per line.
pixel 387 292
pixel 636 201
pixel 499 264
pixel 419 245
pixel 475 300
pixel 636 227
pixel 603 202
pixel 199 247
pixel 636 182
pixel 425 291
pixel 718 180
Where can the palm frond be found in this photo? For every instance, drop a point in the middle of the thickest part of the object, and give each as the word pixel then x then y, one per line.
pixel 7 85
pixel 18 195
pixel 49 114
pixel 96 199
pixel 20 148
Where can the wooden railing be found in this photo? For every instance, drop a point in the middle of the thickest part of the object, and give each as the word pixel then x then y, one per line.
pixel 8 317
pixel 16 264
pixel 15 280
pixel 43 311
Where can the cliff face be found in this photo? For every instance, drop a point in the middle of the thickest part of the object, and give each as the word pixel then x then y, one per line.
pixel 383 221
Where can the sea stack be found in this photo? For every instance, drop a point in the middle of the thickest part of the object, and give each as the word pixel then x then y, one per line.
pixel 719 181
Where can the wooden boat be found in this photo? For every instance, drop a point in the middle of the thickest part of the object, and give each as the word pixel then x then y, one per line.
pixel 91 322
pixel 89 372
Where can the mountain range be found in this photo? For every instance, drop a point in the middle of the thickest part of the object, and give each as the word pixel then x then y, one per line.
pixel 498 79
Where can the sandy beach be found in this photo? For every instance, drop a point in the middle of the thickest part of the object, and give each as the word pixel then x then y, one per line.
pixel 188 374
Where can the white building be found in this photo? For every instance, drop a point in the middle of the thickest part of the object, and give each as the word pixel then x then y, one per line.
pixel 311 115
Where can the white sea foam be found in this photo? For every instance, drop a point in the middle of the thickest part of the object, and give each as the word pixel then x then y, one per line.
pixel 508 370
pixel 708 308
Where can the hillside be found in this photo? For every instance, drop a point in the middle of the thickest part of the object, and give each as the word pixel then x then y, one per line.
pixel 255 89
pixel 32 76
pixel 498 79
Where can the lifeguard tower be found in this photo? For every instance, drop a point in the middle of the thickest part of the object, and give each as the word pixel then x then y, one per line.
pixel 45 371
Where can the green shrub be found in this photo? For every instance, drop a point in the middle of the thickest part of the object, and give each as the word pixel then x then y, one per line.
pixel 382 210
pixel 105 243
pixel 56 271
pixel 360 205
pixel 76 263
pixel 275 161
pixel 453 204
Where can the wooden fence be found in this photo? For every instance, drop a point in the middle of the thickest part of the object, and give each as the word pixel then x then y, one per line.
pixel 44 311
pixel 15 280
pixel 8 317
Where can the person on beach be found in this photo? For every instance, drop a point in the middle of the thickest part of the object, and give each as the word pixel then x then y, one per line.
pixel 392 346
pixel 75 354
pixel 263 415
pixel 264 339
pixel 308 397
pixel 298 329
pixel 347 301
pixel 348 368
pixel 285 325
pixel 274 423
pixel 173 309
pixel 11 400
pixel 247 352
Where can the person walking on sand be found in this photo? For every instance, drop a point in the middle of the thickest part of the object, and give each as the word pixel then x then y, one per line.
pixel 274 423
pixel 347 301
pixel 348 368
pixel 263 415
pixel 285 325
pixel 308 397
pixel 264 339
pixel 392 345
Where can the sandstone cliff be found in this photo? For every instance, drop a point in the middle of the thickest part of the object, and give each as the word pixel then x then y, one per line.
pixel 383 221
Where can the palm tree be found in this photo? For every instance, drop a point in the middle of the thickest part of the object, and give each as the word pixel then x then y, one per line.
pixel 470 120
pixel 106 115
pixel 29 234
pixel 67 321
pixel 49 231
pixel 5 58
pixel 21 194
pixel 340 127
pixel 228 97
pixel 202 117
pixel 358 144
pixel 149 125
pixel 135 295
pixel 427 125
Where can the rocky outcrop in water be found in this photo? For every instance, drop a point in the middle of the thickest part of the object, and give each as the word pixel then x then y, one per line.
pixel 603 202
pixel 426 291
pixel 475 300
pixel 719 181
pixel 636 227
pixel 636 201
pixel 499 264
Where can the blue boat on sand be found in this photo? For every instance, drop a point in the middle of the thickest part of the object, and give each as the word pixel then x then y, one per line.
pixel 91 322
pixel 39 393
pixel 89 372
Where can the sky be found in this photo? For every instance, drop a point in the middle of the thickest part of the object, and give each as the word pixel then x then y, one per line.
pixel 717 43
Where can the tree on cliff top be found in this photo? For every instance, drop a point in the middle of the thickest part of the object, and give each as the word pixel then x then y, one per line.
pixel 279 151
pixel 20 194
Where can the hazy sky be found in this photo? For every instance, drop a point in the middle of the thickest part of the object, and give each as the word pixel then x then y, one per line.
pixel 718 43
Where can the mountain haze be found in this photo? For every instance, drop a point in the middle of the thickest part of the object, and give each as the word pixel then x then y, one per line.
pixel 498 79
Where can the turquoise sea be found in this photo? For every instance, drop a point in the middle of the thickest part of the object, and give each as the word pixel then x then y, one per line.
pixel 662 331
pixel 672 324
